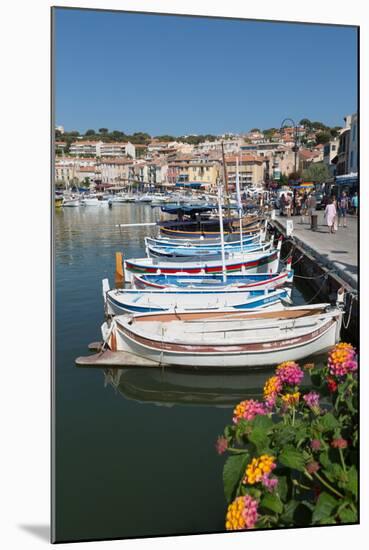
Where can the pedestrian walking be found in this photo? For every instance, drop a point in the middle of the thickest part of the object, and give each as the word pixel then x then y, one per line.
pixel 342 210
pixel 335 203
pixel 330 215
pixel 355 203
pixel 311 207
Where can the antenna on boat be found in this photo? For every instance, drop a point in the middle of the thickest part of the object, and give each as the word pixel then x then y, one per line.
pixel 221 232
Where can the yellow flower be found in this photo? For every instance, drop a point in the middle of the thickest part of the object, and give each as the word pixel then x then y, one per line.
pixel 264 464
pixel 272 386
pixel 291 398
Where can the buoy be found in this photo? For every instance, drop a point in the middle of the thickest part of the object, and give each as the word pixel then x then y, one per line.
pixel 119 273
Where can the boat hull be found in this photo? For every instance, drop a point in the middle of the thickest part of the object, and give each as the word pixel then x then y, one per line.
pixel 250 282
pixel 315 340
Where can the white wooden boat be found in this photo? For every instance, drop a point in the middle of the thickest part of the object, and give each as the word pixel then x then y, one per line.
pixel 119 301
pixel 226 339
pixel 256 262
pixel 202 243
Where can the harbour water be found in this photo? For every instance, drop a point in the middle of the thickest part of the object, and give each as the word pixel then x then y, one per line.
pixel 135 452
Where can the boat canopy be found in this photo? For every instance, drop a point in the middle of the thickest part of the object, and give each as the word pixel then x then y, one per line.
pixel 187 208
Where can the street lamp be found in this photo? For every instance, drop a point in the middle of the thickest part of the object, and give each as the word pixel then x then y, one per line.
pixel 295 148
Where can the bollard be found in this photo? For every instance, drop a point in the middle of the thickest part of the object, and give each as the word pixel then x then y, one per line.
pixel 119 273
pixel 314 222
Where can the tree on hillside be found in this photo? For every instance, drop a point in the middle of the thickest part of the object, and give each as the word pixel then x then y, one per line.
pixel 103 130
pixel 90 132
pixel 323 137
pixel 319 125
pixel 305 122
pixel 317 172
pixel 165 137
pixel 255 130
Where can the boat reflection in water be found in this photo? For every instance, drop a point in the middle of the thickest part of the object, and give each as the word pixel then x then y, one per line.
pixel 177 387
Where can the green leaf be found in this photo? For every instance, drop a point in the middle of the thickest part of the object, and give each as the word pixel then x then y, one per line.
pixel 272 502
pixel 288 513
pixel 324 508
pixel 352 481
pixel 347 515
pixel 292 458
pixel 263 422
pixel 284 435
pixel 324 459
pixel 233 471
pixel 328 422
pixel 282 487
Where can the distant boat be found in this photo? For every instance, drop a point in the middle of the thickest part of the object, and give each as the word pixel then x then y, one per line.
pixel 226 339
pixel 94 200
pixel 58 201
pixel 71 203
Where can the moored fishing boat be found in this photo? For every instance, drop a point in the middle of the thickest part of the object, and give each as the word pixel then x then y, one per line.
pixel 256 262
pixel 183 280
pixel 208 243
pixel 226 339
pixel 199 252
pixel 71 203
pixel 119 301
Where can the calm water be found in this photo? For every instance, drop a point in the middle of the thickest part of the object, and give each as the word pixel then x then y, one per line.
pixel 135 449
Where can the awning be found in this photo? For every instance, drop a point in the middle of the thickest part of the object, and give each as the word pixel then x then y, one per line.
pixel 192 185
pixel 347 179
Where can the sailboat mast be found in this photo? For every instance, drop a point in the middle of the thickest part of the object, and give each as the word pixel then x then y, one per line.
pixel 225 176
pixel 221 233
pixel 239 202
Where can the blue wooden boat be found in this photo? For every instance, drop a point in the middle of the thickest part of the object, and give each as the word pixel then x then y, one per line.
pixel 215 281
pixel 178 252
pixel 120 301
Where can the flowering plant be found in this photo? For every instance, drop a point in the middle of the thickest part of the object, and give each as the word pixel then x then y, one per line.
pixel 293 455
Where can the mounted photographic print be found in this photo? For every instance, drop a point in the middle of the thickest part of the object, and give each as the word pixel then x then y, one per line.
pixel 205 225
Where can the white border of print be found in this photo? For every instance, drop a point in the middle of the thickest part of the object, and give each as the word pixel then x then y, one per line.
pixel 25 224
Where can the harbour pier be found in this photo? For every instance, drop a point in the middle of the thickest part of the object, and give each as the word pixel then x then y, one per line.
pixel 326 262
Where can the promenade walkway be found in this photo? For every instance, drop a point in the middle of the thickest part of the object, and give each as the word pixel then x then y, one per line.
pixel 338 251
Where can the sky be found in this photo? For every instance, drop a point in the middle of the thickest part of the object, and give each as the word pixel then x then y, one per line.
pixel 187 75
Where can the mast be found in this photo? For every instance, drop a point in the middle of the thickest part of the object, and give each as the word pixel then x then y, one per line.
pixel 224 271
pixel 225 176
pixel 239 202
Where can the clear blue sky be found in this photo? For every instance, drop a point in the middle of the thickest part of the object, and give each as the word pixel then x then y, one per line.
pixel 182 75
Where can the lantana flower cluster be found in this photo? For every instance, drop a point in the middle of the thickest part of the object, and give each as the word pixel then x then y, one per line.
pixel 287 374
pixel 342 360
pixel 248 409
pixel 242 513
pixel 259 468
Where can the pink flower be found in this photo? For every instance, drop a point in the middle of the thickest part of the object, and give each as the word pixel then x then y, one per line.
pixel 290 373
pixel 269 483
pixel 248 409
pixel 312 467
pixel 339 443
pixel 221 445
pixel 250 512
pixel 315 444
pixel 312 399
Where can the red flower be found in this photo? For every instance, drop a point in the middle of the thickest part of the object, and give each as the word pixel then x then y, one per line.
pixel 332 385
pixel 339 443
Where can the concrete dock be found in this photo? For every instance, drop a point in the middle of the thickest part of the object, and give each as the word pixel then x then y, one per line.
pixel 338 251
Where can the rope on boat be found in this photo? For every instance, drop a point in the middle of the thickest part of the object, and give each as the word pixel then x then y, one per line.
pixel 317 276
pixel 319 290
pixel 346 324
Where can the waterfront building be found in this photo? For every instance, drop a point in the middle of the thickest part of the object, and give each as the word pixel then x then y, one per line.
pixel 117 149
pixel 115 171
pixel 352 160
pixel 230 146
pixel 205 171
pixel 329 153
pixel 85 147
pixel 250 169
